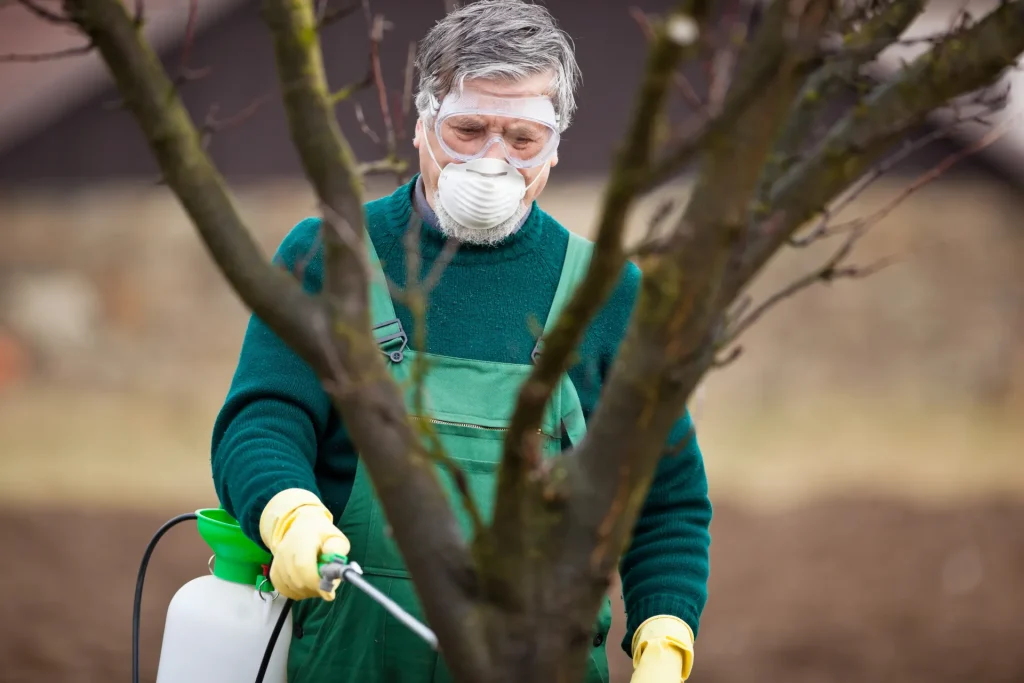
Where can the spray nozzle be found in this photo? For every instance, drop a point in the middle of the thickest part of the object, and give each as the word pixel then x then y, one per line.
pixel 332 568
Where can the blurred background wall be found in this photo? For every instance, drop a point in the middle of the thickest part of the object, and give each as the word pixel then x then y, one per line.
pixel 865 451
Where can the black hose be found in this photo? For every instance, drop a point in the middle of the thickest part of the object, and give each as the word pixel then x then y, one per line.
pixel 137 609
pixel 273 640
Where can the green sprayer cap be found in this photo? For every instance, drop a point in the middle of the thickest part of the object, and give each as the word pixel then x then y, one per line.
pixel 236 558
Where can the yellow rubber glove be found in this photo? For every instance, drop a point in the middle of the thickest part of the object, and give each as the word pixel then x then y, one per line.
pixel 297 529
pixel 662 651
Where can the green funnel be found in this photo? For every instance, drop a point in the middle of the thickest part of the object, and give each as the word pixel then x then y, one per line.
pixel 236 558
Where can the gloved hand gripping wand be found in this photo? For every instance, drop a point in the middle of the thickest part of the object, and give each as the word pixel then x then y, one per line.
pixel 337 567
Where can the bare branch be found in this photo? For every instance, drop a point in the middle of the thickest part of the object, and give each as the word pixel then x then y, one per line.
pixel 376 416
pixel 212 124
pixel 444 259
pixel 823 227
pixel 951 160
pixel 407 88
pixel 833 269
pixel 737 21
pixel 680 80
pixel 670 343
pixel 859 47
pixel 351 89
pixel 185 72
pixel 964 62
pixel 608 257
pixel 37 9
pixel 376 37
pixel 149 94
pixel 387 165
pixel 326 16
pixel 361 118
pixel 517 476
pixel 49 56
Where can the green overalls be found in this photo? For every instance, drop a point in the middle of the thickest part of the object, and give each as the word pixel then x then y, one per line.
pixel 469 404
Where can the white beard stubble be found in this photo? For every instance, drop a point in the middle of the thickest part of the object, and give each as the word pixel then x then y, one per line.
pixel 490 237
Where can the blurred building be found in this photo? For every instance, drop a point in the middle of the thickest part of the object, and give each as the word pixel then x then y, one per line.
pixel 102 278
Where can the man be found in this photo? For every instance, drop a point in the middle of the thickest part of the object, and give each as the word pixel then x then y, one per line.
pixel 496 90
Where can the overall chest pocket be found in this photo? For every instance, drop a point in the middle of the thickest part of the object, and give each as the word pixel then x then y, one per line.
pixel 462 410
pixel 475 451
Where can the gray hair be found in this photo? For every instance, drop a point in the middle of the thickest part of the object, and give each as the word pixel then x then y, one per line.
pixel 505 39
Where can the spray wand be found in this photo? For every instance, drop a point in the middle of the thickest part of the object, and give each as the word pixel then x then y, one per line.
pixel 337 567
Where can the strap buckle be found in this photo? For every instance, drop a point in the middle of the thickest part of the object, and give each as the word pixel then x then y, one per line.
pixel 391 338
pixel 536 351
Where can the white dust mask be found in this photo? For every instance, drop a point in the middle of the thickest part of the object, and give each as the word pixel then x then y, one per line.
pixel 482 193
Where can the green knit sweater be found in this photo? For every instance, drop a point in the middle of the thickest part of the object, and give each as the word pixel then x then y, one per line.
pixel 278 429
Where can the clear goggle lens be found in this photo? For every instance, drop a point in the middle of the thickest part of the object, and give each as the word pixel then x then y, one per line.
pixel 469 125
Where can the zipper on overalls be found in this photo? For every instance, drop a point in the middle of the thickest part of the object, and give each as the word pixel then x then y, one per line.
pixel 471 426
pixel 464 424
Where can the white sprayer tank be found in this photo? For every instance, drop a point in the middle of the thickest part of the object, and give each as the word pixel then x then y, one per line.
pixel 218 626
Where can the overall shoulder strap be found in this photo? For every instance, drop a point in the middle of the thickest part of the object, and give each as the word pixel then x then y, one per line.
pixel 574 267
pixel 566 400
pixel 387 329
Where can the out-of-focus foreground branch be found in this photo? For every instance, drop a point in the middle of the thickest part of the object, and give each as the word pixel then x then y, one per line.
pixel 728 232
pixel 668 346
pixel 330 331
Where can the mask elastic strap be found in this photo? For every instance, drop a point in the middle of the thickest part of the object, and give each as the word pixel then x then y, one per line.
pixel 430 149
pixel 536 178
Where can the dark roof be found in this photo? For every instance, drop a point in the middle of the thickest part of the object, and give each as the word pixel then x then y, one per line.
pixel 34 94
pixel 36 97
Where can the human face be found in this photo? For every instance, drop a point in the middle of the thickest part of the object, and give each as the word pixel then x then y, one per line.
pixel 534 86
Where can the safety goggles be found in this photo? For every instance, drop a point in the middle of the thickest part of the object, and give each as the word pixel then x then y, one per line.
pixel 469 123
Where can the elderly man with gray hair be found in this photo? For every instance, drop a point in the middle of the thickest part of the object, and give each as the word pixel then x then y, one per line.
pixel 496 91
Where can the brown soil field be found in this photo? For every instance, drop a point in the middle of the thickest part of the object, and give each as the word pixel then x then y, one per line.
pixel 865 590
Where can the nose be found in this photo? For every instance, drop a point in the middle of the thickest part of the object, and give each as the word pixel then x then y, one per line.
pixel 495 151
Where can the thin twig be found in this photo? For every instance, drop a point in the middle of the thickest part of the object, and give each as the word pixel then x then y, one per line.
pixel 385 165
pixel 855 230
pixel 928 176
pixel 832 269
pixel 48 56
pixel 653 241
pixel 347 234
pixel 451 247
pixel 376 38
pixel 352 88
pixel 43 13
pixel 338 382
pixel 415 299
pixel 363 125
pixel 737 23
pixel 407 89
pixel 185 72
pixel 327 17
pixel 679 79
pixel 332 16
pixel 821 229
pixel 212 125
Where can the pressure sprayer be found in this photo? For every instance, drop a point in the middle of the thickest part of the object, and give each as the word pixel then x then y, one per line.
pixel 224 627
